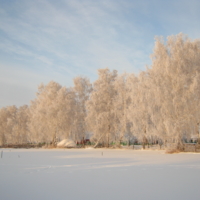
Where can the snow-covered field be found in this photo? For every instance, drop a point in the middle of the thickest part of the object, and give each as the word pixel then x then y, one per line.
pixel 93 174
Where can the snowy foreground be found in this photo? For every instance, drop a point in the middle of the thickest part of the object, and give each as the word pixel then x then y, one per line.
pixel 105 174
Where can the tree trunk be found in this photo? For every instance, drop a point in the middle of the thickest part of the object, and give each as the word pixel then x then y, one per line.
pixel 2 139
pixel 54 140
pixel 180 145
pixel 108 140
pixel 98 141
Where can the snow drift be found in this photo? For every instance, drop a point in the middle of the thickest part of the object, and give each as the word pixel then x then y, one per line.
pixel 67 143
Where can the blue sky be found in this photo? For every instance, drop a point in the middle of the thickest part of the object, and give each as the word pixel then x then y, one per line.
pixel 44 40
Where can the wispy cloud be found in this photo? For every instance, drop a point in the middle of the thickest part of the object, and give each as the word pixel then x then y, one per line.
pixel 62 39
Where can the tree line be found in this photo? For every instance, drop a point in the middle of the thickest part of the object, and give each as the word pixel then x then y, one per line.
pixel 161 103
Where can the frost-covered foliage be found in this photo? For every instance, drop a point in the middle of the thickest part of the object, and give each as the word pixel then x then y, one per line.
pixel 159 104
pixel 100 106
pixel 51 113
pixel 14 125
pixel 174 82
pixel 82 89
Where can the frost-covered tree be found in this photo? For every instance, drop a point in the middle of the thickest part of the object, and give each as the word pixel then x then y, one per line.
pixel 13 125
pixel 173 74
pixel 100 107
pixel 3 125
pixel 120 103
pixel 160 104
pixel 20 125
pixel 82 88
pixel 7 122
pixel 52 113
pixel 138 109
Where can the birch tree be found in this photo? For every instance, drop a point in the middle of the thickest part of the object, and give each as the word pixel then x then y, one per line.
pixel 82 89
pixel 173 71
pixel 120 109
pixel 139 115
pixel 3 125
pixel 100 107
pixel 52 112
pixel 160 103
pixel 20 125
pixel 8 120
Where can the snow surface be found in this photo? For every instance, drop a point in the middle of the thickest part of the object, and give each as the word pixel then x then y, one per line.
pixel 94 174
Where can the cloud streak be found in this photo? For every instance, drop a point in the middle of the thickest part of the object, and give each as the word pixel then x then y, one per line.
pixel 63 39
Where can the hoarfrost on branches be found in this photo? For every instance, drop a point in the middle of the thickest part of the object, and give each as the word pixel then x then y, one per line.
pixel 160 104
